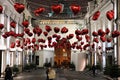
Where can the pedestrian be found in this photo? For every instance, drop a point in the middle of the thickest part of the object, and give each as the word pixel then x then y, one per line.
pixel 8 73
pixel 93 69
pixel 47 71
pixel 51 74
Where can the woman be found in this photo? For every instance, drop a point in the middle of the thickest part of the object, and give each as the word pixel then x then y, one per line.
pixel 51 74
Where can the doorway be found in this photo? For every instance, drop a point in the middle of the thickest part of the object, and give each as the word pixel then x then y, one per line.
pixel 37 60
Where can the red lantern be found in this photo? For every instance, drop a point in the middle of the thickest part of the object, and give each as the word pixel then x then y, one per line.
pixel 57 8
pixel 13 24
pixel 56 29
pixel 25 23
pixel 19 7
pixel 1 26
pixel 64 30
pixel 1 9
pixel 75 8
pixel 96 15
pixel 110 14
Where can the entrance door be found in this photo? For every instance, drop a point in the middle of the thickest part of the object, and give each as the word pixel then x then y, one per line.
pixel 0 61
pixel 37 60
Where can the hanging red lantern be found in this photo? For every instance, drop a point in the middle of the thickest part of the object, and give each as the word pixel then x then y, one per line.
pixel 1 26
pixel 56 29
pixel 1 9
pixel 64 30
pixel 96 15
pixel 75 8
pixel 13 24
pixel 110 14
pixel 25 23
pixel 19 7
pixel 56 8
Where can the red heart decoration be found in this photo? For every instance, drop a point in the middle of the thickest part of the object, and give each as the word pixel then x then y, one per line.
pixel 75 8
pixel 25 23
pixel 57 8
pixel 1 26
pixel 33 40
pixel 38 11
pixel 1 9
pixel 78 32
pixel 95 33
pixel 19 7
pixel 64 30
pixel 96 15
pixel 48 28
pixel 12 45
pixel 45 33
pixel 103 39
pixel 13 24
pixel 107 30
pixel 96 40
pixel 56 29
pixel 110 14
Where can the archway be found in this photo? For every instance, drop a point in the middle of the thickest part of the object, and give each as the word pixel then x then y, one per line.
pixel 62 53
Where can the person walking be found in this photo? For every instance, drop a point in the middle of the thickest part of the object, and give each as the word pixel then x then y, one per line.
pixel 51 74
pixel 8 73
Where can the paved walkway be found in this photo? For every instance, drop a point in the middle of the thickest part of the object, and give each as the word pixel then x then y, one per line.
pixel 39 74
